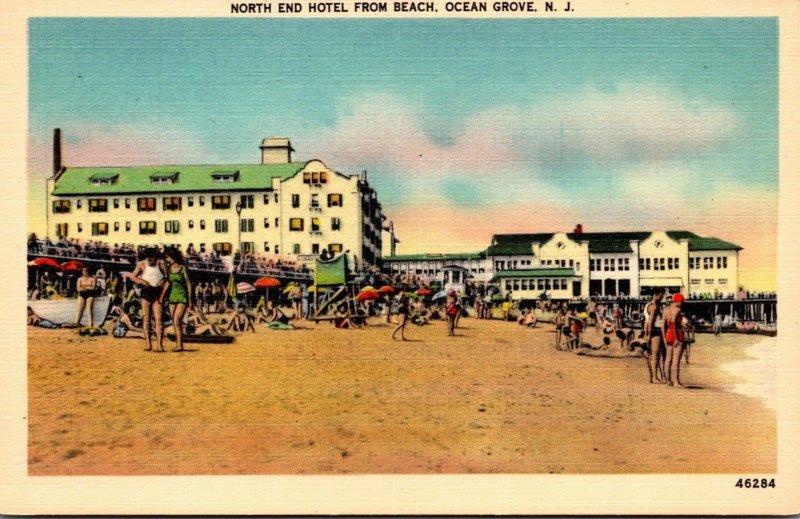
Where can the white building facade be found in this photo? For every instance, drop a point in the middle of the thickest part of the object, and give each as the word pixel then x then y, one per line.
pixel 295 210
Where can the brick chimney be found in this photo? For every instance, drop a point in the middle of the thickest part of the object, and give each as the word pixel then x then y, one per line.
pixel 57 160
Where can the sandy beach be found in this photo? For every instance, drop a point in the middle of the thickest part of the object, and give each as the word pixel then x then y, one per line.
pixel 496 399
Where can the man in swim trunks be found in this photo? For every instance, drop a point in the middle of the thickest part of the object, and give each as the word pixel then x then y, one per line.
pixel 150 274
pixel 87 290
pixel 653 334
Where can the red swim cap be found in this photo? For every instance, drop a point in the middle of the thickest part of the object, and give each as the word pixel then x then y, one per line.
pixel 678 298
pixel 452 292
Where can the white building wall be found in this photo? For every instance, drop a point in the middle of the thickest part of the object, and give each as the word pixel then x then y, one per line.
pixel 718 271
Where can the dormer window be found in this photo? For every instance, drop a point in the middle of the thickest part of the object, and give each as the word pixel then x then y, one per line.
pixel 104 179
pixel 225 176
pixel 164 178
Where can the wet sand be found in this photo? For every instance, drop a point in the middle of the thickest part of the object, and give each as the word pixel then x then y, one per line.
pixel 496 399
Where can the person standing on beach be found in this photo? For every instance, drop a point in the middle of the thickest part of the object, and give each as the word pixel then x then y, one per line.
pixel 672 328
pixel 402 315
pixel 451 311
pixel 180 291
pixel 87 290
pixel 717 324
pixel 150 274
pixel 652 333
pixel 296 295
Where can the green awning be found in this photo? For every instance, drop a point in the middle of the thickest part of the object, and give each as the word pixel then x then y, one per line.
pixel 328 273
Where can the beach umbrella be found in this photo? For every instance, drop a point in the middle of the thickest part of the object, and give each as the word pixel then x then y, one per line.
pixel 364 296
pixel 72 266
pixel 244 288
pixel 267 282
pixel 369 288
pixel 288 288
pixel 439 295
pixel 423 292
pixel 386 290
pixel 44 262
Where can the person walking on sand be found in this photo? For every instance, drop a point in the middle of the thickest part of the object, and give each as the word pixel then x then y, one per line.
pixel 717 324
pixel 150 274
pixel 653 322
pixel 87 290
pixel 180 291
pixel 560 321
pixel 672 328
pixel 451 311
pixel 402 316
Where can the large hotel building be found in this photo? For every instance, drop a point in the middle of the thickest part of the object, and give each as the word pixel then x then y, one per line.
pixel 280 207
pixel 580 265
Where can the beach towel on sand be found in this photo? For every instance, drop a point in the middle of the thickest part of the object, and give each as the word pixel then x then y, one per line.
pixel 279 326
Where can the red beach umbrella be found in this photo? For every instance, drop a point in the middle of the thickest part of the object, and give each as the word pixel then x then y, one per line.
pixel 364 296
pixel 267 282
pixel 45 262
pixel 386 290
pixel 72 266
pixel 423 292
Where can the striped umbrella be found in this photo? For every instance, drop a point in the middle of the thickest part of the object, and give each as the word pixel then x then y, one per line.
pixel 245 288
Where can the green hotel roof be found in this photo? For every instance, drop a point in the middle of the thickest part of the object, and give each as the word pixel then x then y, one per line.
pixel 534 273
pixel 435 257
pixel 137 179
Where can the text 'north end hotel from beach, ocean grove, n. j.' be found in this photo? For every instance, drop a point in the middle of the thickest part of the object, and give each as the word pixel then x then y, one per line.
pixel 278 207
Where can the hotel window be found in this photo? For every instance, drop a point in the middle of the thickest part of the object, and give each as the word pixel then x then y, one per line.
pixel 695 281
pixel 223 248
pixel 306 177
pixel 78 203
pixel 191 224
pixel 323 177
pixel 709 281
pixel 266 246
pixel 190 201
pixel 661 264
pixel 116 226
pixel 577 266
pixel 315 248
pixel 247 225
pixel 172 227
pixel 315 200
pixel 202 225
pixel 708 263
pixel 276 221
pixel 220 225
pixel 116 203
pixel 670 265
pixel 723 281
pixel 61 230
pixel 127 226
pixel 146 204
pixel 276 201
pixel 295 200
pixel 164 178
pixel 221 202
pixel 605 264
pixel 225 176
pixel 677 263
pixel 315 225
pixel 201 200
pixel 295 224
pixel 277 249
pixel 296 248
pixel 147 227
pixel 516 284
pixel 266 223
pixel 722 262
pixel 335 200
pixel 248 247
pixel 98 205
pixel 523 284
pixel 612 265
pixel 647 264
pixel 335 248
pixel 336 224
pixel 61 206
pixel 540 284
pixel 127 203
pixel 266 198
pixel 172 203
pixel 247 201
pixel 641 263
pixel 80 227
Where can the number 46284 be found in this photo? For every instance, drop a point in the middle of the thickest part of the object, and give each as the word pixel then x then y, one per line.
pixel 756 483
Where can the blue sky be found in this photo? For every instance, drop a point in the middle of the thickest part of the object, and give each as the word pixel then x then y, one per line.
pixel 550 120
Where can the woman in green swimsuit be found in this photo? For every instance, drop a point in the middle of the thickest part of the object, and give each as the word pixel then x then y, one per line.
pixel 180 291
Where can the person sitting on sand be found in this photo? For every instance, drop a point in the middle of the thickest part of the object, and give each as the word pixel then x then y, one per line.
pixel 123 325
pixel 275 315
pixel 198 324
pixel 240 321
pixel 87 290
pixel 341 318
pixel 528 318
pixel 35 320
pixel 672 329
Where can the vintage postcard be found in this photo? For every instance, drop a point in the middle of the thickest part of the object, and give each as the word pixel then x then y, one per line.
pixel 447 257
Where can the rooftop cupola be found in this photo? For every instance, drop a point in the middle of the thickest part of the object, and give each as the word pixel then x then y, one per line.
pixel 276 150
